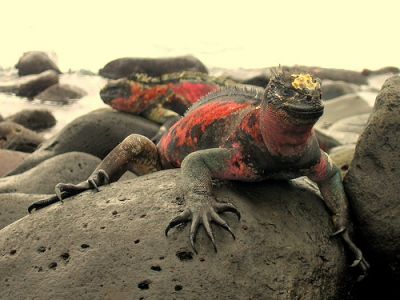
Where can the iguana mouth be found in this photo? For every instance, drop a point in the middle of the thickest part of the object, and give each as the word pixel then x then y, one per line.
pixel 305 111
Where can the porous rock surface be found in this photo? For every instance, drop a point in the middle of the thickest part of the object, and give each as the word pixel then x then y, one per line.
pixel 96 133
pixel 372 182
pixel 72 167
pixel 111 245
pixel 35 62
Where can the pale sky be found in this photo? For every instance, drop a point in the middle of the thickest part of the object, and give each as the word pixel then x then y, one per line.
pixel 87 34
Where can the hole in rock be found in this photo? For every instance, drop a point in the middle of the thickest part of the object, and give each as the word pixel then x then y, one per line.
pixel 178 287
pixel 156 268
pixel 85 246
pixel 144 285
pixel 184 255
pixel 53 265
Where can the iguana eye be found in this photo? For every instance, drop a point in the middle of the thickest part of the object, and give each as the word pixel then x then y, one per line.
pixel 288 93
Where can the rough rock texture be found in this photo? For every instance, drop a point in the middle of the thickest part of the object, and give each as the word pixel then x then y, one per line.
pixel 342 157
pixel 96 133
pixel 9 160
pixel 342 107
pixel 72 167
pixel 348 130
pixel 111 245
pixel 30 85
pixel 124 67
pixel 35 62
pixel 16 137
pixel 34 119
pixel 14 206
pixel 372 182
pixel 61 93
pixel 331 74
pixel 334 89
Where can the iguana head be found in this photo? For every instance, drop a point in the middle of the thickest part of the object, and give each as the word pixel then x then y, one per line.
pixel 297 95
pixel 114 89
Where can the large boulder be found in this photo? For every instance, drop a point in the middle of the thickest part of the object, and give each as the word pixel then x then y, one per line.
pixel 348 130
pixel 96 133
pixel 61 93
pixel 372 182
pixel 341 108
pixel 31 85
pixel 111 245
pixel 334 89
pixel 72 167
pixel 124 67
pixel 35 62
pixel 34 119
pixel 13 206
pixel 16 137
pixel 381 71
pixel 10 159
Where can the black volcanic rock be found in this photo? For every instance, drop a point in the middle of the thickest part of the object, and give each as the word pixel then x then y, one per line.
pixel 124 67
pixel 111 245
pixel 35 62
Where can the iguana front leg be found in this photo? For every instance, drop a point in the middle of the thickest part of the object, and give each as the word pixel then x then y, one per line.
pixel 197 171
pixel 328 178
pixel 135 153
pixel 163 116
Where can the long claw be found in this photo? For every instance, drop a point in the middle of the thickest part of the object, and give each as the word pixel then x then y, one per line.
pixel 217 219
pixel 227 207
pixel 337 232
pixel 193 231
pixel 58 191
pixel 182 218
pixel 210 234
pixel 105 177
pixel 93 184
pixel 356 262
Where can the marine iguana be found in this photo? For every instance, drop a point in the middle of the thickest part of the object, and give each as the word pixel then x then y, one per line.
pixel 161 99
pixel 234 134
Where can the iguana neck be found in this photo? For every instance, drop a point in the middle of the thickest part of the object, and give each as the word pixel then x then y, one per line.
pixel 282 135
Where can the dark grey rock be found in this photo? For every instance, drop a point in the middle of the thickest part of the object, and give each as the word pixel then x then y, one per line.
pixel 30 85
pixel 96 133
pixel 35 62
pixel 61 93
pixel 348 130
pixel 341 108
pixel 124 67
pixel 34 119
pixel 96 246
pixel 13 206
pixel 71 167
pixel 325 140
pixel 381 71
pixel 334 89
pixel 16 137
pixel 342 157
pixel 1 118
pixel 372 182
pixel 331 74
pixel 10 159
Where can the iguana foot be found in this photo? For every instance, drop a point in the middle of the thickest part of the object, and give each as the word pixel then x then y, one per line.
pixel 65 190
pixel 359 260
pixel 203 212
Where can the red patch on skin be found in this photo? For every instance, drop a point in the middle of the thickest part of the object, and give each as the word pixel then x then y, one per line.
pixel 181 134
pixel 251 126
pixel 203 117
pixel 192 92
pixel 282 137
pixel 141 98
pixel 237 168
pixel 321 169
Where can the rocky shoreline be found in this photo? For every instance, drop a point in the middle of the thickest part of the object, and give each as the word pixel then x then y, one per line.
pixel 110 244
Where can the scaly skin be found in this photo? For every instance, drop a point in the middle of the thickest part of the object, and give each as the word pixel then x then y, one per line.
pixel 160 99
pixel 235 134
